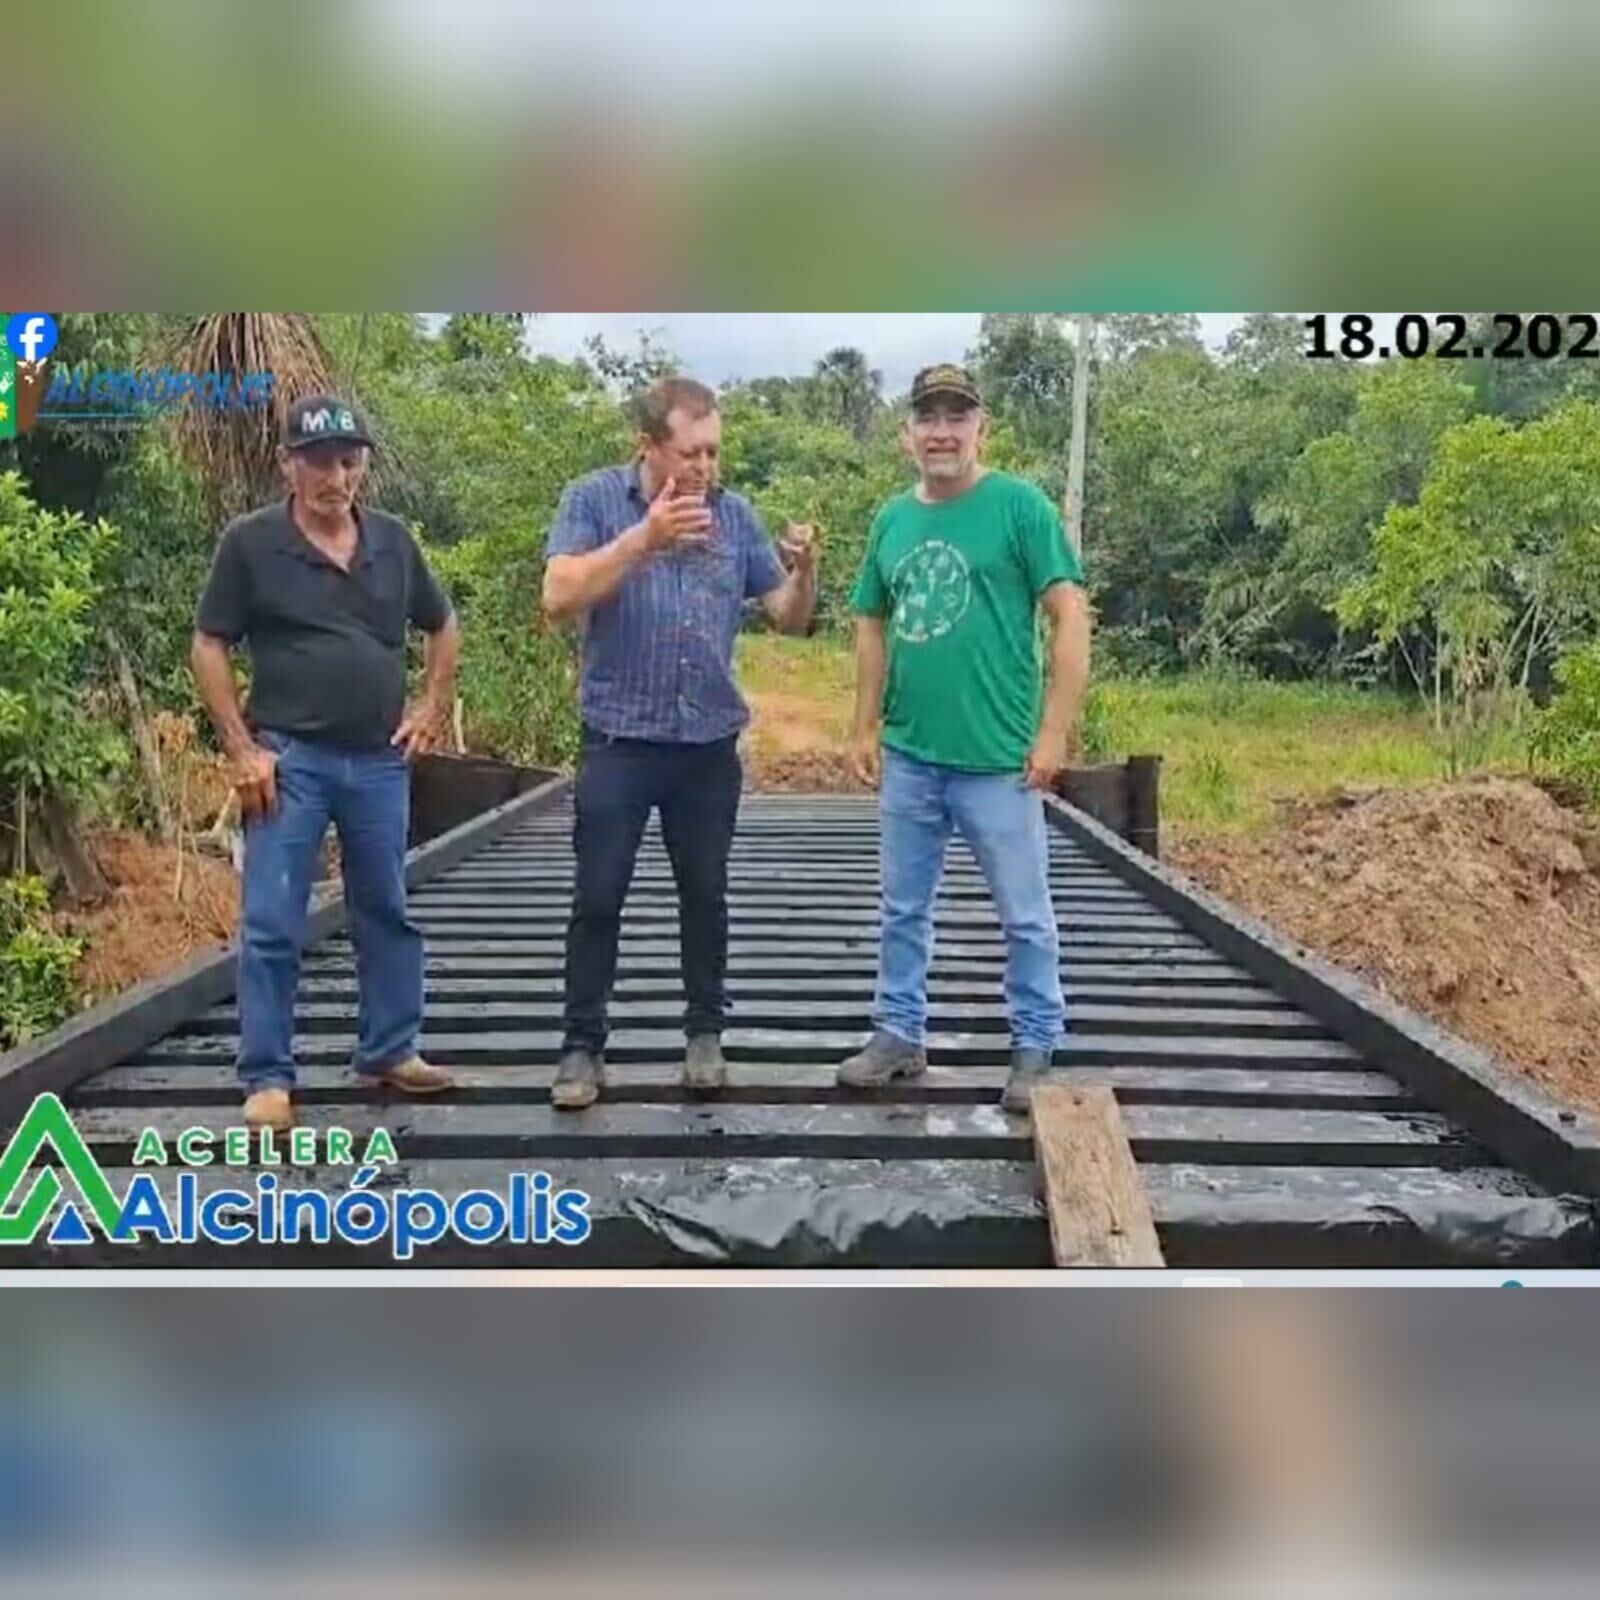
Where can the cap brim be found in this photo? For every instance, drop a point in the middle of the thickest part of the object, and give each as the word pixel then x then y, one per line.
pixel 968 395
pixel 332 438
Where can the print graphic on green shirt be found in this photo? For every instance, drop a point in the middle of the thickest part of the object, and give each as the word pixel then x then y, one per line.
pixel 958 585
pixel 932 586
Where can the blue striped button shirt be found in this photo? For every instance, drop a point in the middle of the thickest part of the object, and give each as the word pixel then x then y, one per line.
pixel 658 656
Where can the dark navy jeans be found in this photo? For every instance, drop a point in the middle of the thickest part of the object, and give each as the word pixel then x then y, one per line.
pixel 366 794
pixel 696 789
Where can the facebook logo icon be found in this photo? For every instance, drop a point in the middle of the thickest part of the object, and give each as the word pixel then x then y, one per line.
pixel 31 335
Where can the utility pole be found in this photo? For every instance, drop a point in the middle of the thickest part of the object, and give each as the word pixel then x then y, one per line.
pixel 1080 432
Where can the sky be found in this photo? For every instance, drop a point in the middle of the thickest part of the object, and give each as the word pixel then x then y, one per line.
pixel 721 346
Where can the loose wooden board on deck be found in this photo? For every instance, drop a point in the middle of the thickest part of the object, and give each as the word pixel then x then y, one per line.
pixel 1099 1215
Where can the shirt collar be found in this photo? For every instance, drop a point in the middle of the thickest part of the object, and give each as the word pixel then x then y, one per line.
pixel 295 543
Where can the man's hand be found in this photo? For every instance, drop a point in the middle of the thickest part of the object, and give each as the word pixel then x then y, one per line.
pixel 1047 757
pixel 255 780
pixel 418 732
pixel 676 522
pixel 799 543
pixel 864 759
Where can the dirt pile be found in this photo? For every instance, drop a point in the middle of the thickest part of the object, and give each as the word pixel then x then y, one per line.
pixel 797 743
pixel 159 913
pixel 1476 903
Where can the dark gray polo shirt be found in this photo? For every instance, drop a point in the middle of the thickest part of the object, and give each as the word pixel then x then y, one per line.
pixel 327 647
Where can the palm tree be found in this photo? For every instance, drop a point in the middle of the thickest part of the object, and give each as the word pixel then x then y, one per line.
pixel 848 392
pixel 234 450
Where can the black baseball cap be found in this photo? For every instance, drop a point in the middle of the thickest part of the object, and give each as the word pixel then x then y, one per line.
pixel 945 378
pixel 320 418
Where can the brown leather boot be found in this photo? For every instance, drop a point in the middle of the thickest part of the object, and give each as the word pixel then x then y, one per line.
pixel 415 1076
pixel 269 1107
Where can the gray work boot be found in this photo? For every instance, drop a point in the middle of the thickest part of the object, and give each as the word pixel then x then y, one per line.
pixel 704 1069
pixel 580 1076
pixel 1029 1068
pixel 886 1057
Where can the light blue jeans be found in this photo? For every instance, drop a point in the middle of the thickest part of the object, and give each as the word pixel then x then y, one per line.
pixel 1003 822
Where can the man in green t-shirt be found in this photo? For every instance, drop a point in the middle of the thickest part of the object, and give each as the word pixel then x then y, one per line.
pixel 947 654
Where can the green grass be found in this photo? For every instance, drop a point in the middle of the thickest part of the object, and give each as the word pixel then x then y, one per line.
pixel 822 668
pixel 1231 745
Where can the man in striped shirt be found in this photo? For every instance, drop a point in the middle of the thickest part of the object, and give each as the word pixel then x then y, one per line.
pixel 656 561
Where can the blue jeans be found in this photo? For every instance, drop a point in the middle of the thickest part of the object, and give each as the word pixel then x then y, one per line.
pixel 366 794
pixel 1003 823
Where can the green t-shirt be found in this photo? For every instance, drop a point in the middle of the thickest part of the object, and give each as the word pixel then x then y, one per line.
pixel 958 585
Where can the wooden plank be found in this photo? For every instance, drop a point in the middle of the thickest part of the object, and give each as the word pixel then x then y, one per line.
pixel 831 987
pixel 725 1130
pixel 556 873
pixel 555 870
pixel 486 938
pixel 1145 973
pixel 1098 1213
pixel 797 1045
pixel 976 906
pixel 761 1082
pixel 976 922
pixel 818 1010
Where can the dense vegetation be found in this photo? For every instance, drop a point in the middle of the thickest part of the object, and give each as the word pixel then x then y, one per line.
pixel 1431 527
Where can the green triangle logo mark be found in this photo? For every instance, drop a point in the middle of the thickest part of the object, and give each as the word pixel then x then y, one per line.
pixel 49 1123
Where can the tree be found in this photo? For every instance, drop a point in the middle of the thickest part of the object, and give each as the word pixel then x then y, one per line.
pixel 478 335
pixel 628 373
pixel 846 391
pixel 234 451
pixel 36 963
pixel 1125 335
pixel 1323 513
pixel 800 470
pixel 51 753
pixel 1160 496
pixel 1523 389
pixel 68 464
pixel 1499 560
pixel 777 397
pixel 1565 736
pixel 1023 363
pixel 491 441
pixel 1266 340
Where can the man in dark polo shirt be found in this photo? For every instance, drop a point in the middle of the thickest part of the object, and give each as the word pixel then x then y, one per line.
pixel 321 589
pixel 657 561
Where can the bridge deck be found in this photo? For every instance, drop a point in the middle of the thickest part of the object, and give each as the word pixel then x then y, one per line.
pixel 1263 1137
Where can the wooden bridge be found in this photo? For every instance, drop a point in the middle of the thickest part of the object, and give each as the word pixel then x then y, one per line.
pixel 1282 1113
